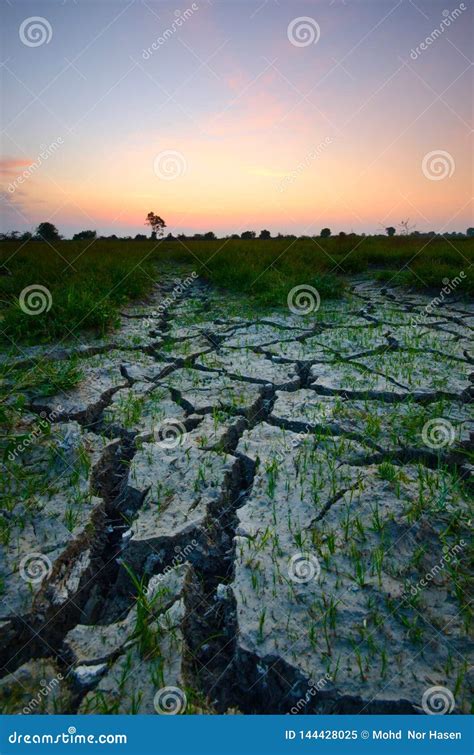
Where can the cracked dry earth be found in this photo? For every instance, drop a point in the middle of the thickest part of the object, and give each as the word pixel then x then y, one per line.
pixel 264 549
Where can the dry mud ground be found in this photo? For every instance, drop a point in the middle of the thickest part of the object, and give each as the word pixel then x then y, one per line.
pixel 245 514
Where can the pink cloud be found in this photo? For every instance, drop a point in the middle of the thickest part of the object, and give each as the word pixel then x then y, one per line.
pixel 13 164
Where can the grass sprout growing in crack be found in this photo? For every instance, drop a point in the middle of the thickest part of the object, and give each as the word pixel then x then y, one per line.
pixel 147 633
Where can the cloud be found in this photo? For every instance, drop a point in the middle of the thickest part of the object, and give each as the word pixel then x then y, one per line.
pixel 13 164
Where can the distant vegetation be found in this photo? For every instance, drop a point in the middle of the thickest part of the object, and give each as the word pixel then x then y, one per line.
pixel 49 232
pixel 91 278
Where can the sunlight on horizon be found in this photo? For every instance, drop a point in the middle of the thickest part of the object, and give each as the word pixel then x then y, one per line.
pixel 229 125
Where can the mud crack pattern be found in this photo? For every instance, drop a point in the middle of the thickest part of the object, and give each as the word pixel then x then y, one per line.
pixel 171 564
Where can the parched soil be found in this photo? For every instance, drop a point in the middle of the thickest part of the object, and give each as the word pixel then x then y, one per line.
pixel 270 513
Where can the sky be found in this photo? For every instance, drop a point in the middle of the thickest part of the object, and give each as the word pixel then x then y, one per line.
pixel 229 115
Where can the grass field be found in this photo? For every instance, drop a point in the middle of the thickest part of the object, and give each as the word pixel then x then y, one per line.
pixel 88 282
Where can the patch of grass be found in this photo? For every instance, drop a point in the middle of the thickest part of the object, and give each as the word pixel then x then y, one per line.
pixel 88 286
pixel 89 283
pixel 44 376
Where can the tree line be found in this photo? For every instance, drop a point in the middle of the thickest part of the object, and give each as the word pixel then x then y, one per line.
pixel 48 232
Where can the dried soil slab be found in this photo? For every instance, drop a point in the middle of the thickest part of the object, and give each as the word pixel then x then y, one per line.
pixel 217 431
pixel 286 321
pixel 137 681
pixel 250 366
pixel 143 659
pixel 141 409
pixel 351 378
pixel 137 333
pixel 449 326
pixel 140 367
pixel 101 378
pixel 180 331
pixel 203 391
pixel 311 349
pixel 388 426
pixel 449 344
pixel 51 519
pixel 348 344
pixel 312 582
pixel 331 344
pixel 94 645
pixel 30 356
pixel 259 335
pixel 295 477
pixel 419 372
pixel 177 486
pixel 186 348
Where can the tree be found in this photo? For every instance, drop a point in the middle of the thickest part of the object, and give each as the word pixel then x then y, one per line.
pixel 140 237
pixel 342 234
pixel 391 230
pixel 10 236
pixel 85 236
pixel 265 235
pixel 470 232
pixel 210 236
pixel 325 233
pixel 156 223
pixel 47 232
pixel 248 235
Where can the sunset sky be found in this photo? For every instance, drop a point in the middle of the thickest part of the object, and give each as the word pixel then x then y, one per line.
pixel 267 128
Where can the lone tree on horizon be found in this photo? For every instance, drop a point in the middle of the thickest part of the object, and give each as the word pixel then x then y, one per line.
pixel 47 232
pixel 156 223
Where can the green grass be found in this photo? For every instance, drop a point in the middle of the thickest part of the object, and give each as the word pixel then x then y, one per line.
pixel 90 283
